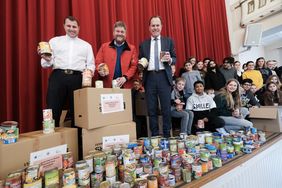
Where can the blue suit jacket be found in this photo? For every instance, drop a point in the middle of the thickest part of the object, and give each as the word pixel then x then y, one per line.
pixel 166 45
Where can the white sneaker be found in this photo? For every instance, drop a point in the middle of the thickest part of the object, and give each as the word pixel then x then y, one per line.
pixel 222 131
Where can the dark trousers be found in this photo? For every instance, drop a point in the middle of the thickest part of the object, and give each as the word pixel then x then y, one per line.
pixel 158 87
pixel 60 89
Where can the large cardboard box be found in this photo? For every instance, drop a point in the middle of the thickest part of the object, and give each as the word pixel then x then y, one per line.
pixel 267 118
pixel 92 139
pixel 16 156
pixel 91 110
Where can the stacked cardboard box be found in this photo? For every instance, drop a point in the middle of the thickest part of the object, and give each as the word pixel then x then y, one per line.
pixel 102 112
pixel 15 156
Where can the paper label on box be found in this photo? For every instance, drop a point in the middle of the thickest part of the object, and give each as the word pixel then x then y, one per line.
pixel 112 103
pixel 49 158
pixel 109 141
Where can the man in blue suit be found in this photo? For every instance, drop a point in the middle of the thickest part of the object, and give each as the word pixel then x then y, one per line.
pixel 157 77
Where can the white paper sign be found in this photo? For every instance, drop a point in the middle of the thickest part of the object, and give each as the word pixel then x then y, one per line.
pixel 112 103
pixel 47 153
pixel 109 141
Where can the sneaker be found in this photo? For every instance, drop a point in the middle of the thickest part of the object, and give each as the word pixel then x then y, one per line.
pixel 222 131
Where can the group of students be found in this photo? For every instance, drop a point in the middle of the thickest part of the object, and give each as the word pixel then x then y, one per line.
pixel 212 98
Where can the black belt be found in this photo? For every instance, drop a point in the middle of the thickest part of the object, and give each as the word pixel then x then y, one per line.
pixel 154 71
pixel 68 71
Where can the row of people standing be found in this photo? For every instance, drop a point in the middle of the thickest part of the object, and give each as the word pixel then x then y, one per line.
pixel 71 55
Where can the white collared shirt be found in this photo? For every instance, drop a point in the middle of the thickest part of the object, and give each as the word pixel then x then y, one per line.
pixel 70 53
pixel 151 65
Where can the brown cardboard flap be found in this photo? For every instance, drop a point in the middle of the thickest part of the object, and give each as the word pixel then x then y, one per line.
pixel 264 113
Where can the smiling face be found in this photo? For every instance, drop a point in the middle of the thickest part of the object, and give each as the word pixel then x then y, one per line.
pixel 71 28
pixel 155 26
pixel 200 65
pixel 199 88
pixel 272 87
pixel 231 86
pixel 250 66
pixel 188 66
pixel 274 79
pixel 119 34
pixel 180 85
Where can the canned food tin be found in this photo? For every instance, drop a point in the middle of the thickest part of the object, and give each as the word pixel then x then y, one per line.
pixel 52 178
pixel 96 179
pixel 112 180
pixel 116 184
pixel 138 151
pixel 172 140
pixel 14 180
pixel 45 48
pixel 83 176
pixel 99 163
pixel 158 153
pixel 139 170
pixel 125 185
pixel 35 184
pixel 48 126
pixel 197 171
pixel 171 179
pixel 67 160
pixel 87 78
pixel 105 184
pixel 69 177
pixel 155 141
pixel 186 175
pixel 201 137
pixel 152 181
pixel 157 162
pixel 163 168
pixel 141 183
pixel 181 144
pixel 216 161
pixel 164 144
pixel 47 114
pixel 204 154
pixel 80 164
pixel 110 168
pixel 99 84
pixel 148 169
pixel 89 161
pixel 115 84
pixel 173 147
pixel 9 132
pixel 205 167
pixel 31 173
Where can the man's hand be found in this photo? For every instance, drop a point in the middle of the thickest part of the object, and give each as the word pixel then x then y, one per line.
pixel 120 81
pixel 46 57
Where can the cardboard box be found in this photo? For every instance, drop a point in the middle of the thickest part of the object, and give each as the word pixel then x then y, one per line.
pixel 267 118
pixel 89 112
pixel 140 104
pixel 14 156
pixel 91 139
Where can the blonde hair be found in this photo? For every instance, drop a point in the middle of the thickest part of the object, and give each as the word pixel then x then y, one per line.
pixel 233 99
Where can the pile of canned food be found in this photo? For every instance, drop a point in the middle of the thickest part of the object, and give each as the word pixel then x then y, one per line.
pixel 158 162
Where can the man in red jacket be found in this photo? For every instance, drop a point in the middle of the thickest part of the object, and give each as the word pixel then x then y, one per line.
pixel 120 57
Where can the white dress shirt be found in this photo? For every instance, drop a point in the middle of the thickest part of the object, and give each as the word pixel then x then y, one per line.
pixel 151 65
pixel 70 53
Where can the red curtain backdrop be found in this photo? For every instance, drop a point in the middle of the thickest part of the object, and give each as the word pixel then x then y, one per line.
pixel 198 27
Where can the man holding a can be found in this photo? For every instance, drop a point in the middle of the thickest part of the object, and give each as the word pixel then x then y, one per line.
pixel 157 76
pixel 116 61
pixel 69 56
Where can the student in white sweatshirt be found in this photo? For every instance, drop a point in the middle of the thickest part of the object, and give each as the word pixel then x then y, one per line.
pixel 204 109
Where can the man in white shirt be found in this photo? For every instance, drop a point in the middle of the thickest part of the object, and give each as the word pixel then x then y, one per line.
pixel 70 56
